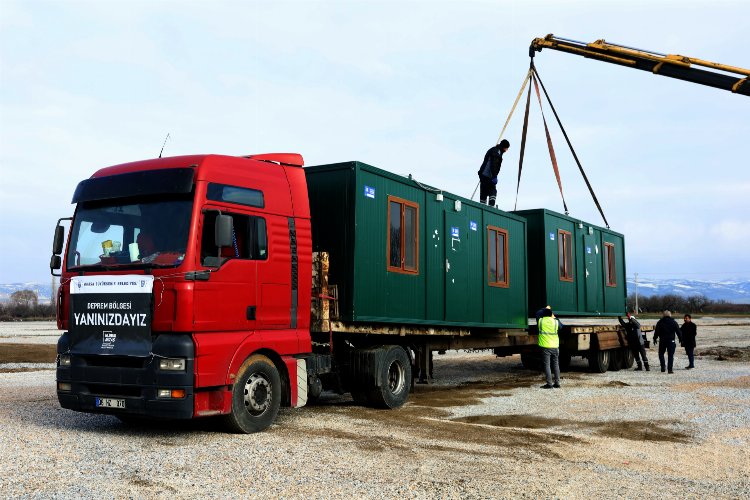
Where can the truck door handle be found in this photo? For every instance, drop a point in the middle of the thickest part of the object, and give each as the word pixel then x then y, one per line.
pixel 250 313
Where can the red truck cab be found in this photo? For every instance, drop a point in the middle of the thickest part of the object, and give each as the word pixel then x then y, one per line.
pixel 185 290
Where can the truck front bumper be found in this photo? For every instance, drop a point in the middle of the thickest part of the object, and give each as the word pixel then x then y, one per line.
pixel 134 382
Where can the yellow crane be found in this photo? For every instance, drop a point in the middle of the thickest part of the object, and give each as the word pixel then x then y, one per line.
pixel 730 78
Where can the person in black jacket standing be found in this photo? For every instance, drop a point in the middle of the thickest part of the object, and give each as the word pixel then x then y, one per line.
pixel 666 329
pixel 689 331
pixel 488 172
pixel 635 340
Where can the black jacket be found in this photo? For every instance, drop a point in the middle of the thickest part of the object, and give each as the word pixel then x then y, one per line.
pixel 666 329
pixel 689 331
pixel 491 164
pixel 633 330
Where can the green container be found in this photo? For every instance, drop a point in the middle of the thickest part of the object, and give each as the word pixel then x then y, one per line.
pixel 575 267
pixel 400 255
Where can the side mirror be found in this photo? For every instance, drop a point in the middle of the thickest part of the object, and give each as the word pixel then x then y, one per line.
pixel 57 246
pixel 55 263
pixel 57 242
pixel 224 230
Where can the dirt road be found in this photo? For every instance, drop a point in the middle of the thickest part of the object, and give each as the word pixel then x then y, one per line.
pixel 482 429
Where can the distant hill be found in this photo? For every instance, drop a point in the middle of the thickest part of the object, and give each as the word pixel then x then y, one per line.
pixel 737 291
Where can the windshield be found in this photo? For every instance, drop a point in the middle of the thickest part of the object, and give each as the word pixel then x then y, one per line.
pixel 127 233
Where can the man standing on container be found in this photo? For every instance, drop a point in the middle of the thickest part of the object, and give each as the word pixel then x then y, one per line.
pixel 488 172
pixel 635 340
pixel 666 330
pixel 549 342
pixel 689 331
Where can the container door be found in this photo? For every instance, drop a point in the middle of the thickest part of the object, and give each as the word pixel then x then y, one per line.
pixel 456 268
pixel 592 273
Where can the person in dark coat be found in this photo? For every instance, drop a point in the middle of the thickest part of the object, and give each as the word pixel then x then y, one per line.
pixel 666 329
pixel 689 331
pixel 635 340
pixel 488 172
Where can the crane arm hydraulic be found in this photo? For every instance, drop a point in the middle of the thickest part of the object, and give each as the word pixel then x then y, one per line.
pixel 729 78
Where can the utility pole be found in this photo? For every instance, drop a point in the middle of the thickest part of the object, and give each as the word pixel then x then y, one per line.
pixel 637 311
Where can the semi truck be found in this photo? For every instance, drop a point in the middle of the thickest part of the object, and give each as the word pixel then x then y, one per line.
pixel 212 285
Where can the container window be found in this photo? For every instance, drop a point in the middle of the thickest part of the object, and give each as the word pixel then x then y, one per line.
pixel 250 239
pixel 403 236
pixel 610 264
pixel 565 255
pixel 497 256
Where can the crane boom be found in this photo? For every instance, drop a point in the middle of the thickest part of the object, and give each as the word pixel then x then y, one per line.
pixel 730 78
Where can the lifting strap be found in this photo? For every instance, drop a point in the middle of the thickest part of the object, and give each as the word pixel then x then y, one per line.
pixel 515 103
pixel 588 184
pixel 518 98
pixel 549 145
pixel 523 144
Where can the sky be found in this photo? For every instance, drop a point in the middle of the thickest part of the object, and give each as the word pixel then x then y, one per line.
pixel 412 87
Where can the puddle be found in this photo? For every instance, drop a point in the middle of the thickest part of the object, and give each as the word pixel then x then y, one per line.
pixel 27 353
pixel 723 353
pixel 625 429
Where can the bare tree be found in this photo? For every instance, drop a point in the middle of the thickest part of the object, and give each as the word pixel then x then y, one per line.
pixel 25 298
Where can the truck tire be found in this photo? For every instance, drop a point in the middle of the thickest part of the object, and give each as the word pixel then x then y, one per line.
pixel 599 361
pixel 256 396
pixel 628 359
pixel 394 379
pixel 615 360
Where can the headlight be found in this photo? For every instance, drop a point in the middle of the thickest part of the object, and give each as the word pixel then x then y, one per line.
pixel 172 364
pixel 64 386
pixel 64 360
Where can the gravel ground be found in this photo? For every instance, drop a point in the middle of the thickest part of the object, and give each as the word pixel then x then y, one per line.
pixel 482 430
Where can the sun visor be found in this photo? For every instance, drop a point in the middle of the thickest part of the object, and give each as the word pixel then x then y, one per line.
pixel 147 182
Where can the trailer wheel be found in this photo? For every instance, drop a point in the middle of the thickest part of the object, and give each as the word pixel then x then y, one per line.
pixel 628 359
pixel 256 396
pixel 394 377
pixel 615 360
pixel 599 361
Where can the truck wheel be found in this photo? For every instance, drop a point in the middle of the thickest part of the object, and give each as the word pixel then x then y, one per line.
pixel 394 379
pixel 256 396
pixel 599 361
pixel 615 360
pixel 627 358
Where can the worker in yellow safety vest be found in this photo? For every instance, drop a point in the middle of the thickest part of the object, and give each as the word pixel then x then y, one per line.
pixel 549 343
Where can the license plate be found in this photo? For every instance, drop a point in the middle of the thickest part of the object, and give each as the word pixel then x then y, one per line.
pixel 110 403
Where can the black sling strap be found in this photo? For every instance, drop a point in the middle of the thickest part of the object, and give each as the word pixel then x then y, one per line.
pixel 523 143
pixel 551 149
pixel 588 184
